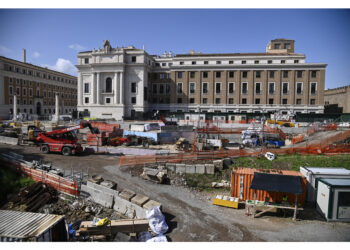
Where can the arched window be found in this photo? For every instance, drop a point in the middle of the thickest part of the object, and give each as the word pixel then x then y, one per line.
pixel 108 85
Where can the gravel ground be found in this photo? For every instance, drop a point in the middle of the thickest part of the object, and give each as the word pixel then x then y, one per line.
pixel 190 215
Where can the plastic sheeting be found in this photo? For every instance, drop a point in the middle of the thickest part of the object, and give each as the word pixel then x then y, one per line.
pixel 156 220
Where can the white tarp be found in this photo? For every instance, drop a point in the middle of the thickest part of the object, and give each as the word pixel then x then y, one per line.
pixel 156 220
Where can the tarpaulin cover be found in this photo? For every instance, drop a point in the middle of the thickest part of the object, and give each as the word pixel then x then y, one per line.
pixel 277 183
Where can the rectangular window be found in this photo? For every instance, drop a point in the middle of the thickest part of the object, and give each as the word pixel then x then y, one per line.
pixel 163 64
pixel 313 88
pixel 10 90
pixel 154 88
pixel 299 73
pixel 284 101
pixel 312 101
pixel 86 60
pixel 277 46
pixel 298 101
pixel 191 100
pixel 244 101
pixel 230 100
pixel 161 88
pixel 218 74
pixel 192 74
pixel 231 74
pixel 206 62
pixel 285 88
pixel 231 87
pixel 299 88
pixel 181 63
pixel 257 74
pixel 218 62
pixel 217 100
pixel 313 73
pixel 217 88
pixel 18 92
pixel 272 73
pixel 133 59
pixel 161 76
pixel 257 101
pixel 205 74
pixel 108 100
pixel 244 88
pixel 179 100
pixel 285 73
pixel 205 87
pixel 86 99
pixel 256 62
pixel 133 100
pixel 287 46
pixel 269 61
pixel 296 61
pixel 258 88
pixel 205 100
pixel 157 64
pixel 179 87
pixel 193 62
pixel 271 101
pixel 133 87
pixel 31 92
pixel 192 87
pixel 244 74
pixel 230 62
pixel 271 88
pixel 86 88
pixel 244 62
pixel 167 89
pixel 179 74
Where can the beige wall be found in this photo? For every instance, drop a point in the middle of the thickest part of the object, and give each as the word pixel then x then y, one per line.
pixel 340 96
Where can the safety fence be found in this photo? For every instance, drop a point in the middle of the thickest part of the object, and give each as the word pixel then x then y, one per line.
pixel 61 184
pixel 326 146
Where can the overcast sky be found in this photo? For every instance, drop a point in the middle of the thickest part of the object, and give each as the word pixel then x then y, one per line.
pixel 53 37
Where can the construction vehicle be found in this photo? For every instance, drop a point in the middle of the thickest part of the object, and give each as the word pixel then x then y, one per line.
pixel 182 144
pixel 281 123
pixel 63 140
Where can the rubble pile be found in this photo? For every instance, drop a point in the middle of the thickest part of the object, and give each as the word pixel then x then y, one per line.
pixel 32 198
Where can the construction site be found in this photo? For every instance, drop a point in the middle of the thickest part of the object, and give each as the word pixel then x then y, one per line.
pixel 234 177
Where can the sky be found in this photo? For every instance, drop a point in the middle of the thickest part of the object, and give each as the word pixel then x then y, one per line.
pixel 53 37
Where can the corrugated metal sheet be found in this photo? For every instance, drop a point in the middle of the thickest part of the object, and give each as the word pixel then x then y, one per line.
pixel 23 225
pixel 242 178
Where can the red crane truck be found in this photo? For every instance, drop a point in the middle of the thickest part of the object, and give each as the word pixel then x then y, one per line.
pixel 63 140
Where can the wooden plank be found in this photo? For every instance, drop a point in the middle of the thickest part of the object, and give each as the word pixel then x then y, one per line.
pixel 115 226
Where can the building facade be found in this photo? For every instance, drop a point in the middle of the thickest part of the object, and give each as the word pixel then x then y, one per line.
pixel 340 96
pixel 119 82
pixel 35 88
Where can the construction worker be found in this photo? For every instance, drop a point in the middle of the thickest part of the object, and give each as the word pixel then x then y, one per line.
pixel 285 199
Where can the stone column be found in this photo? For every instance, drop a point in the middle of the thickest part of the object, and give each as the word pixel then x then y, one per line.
pixel 121 88
pixel 98 89
pixel 15 108
pixel 57 108
pixel 93 89
pixel 115 88
pixel 80 90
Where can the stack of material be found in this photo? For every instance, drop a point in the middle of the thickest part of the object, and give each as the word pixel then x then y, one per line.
pixel 96 139
pixel 157 175
pixel 32 198
pixel 106 131
pixel 115 226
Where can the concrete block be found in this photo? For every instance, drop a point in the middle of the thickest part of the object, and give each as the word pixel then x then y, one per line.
pixel 171 167
pixel 200 169
pixel 127 194
pixel 180 168
pixel 151 203
pixel 109 184
pixel 128 209
pixel 190 169
pixel 209 168
pixel 101 188
pixel 139 199
pixel 8 140
pixel 218 164
pixel 104 199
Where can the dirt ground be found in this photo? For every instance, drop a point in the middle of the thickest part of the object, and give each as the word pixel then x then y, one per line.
pixel 190 214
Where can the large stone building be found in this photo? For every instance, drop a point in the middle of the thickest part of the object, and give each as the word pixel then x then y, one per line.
pixel 35 88
pixel 339 96
pixel 119 82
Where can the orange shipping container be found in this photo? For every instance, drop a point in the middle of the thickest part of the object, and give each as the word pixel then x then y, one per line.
pixel 242 178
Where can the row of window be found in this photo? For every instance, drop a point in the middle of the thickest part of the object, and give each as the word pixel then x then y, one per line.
pixel 30 102
pixel 231 74
pixel 108 100
pixel 108 87
pixel 231 88
pixel 230 101
pixel 44 85
pixel 30 93
pixel 40 74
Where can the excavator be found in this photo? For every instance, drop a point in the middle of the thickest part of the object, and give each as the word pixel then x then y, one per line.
pixel 63 140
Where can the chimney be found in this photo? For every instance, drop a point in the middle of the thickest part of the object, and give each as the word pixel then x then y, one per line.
pixel 24 59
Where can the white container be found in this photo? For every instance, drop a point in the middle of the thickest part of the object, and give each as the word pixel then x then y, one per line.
pixel 333 199
pixel 314 173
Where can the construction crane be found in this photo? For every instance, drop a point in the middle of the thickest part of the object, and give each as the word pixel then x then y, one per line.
pixel 63 140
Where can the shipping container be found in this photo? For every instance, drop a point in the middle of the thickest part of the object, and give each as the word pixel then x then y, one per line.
pixel 313 173
pixel 242 178
pixel 333 199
